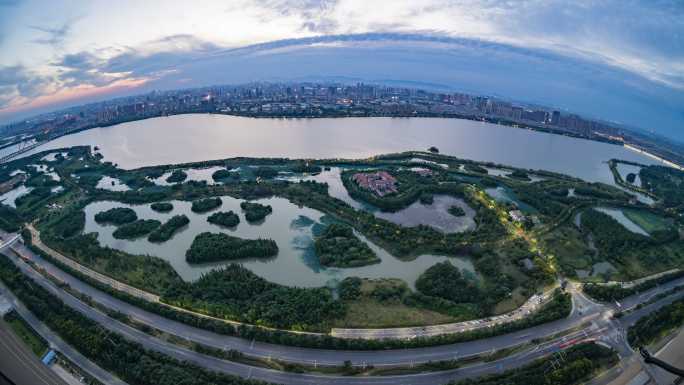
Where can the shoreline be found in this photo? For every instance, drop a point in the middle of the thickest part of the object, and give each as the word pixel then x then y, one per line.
pixel 653 156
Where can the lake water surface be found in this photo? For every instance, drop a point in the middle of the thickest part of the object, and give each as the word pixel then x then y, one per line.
pixel 289 225
pixel 196 137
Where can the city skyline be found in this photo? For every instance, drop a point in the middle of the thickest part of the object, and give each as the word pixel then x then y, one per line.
pixel 573 57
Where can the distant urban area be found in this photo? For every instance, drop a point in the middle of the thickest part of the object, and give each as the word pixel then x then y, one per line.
pixel 309 100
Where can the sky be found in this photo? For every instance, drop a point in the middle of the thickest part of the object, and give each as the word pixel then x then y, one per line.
pixel 621 61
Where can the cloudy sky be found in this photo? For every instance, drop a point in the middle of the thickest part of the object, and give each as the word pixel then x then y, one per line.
pixel 619 60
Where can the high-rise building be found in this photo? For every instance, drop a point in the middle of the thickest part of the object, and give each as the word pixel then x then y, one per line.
pixel 517 113
pixel 555 118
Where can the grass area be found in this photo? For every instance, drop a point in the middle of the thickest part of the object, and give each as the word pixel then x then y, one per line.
pixel 647 220
pixel 516 300
pixel 567 245
pixel 369 313
pixel 26 333
pixel 380 305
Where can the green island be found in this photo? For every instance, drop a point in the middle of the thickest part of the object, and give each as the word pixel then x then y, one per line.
pixel 204 205
pixel 177 176
pixel 167 229
pixel 136 229
pixel 161 207
pixel 255 212
pixel 339 247
pixel 223 174
pixel 222 218
pixel 117 216
pixel 456 211
pixel 213 247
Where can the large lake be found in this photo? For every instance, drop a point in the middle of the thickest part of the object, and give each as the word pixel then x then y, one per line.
pixel 196 137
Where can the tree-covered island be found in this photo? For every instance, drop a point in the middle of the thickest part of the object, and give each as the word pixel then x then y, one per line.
pixel 339 247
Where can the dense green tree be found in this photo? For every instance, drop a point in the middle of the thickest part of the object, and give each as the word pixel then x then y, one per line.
pixel 222 218
pixel 165 232
pixel 113 352
pixel 255 211
pixel 235 292
pixel 207 204
pixel 265 172
pixel 220 175
pixel 10 219
pixel 456 211
pixel 136 229
pixel 116 215
pixel 339 247
pixel 162 207
pixel 445 280
pixel 177 176
pixel 212 247
pixel 349 288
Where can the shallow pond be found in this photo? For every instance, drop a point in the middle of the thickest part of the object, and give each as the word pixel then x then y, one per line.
pixel 289 225
pixel 111 184
pixel 503 194
pixel 625 169
pixel 51 157
pixel 11 196
pixel 434 215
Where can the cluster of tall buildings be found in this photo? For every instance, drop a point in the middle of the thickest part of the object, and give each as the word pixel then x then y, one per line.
pixel 310 100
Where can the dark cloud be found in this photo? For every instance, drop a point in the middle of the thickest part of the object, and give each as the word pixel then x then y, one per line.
pixel 81 60
pixel 149 61
pixel 16 82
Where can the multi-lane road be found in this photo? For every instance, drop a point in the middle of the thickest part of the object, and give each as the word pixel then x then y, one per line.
pixel 19 365
pixel 589 320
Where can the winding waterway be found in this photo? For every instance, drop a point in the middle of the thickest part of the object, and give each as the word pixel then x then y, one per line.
pixel 289 225
pixel 196 137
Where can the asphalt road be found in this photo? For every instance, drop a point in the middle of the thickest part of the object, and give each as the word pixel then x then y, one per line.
pixel 274 376
pixel 585 312
pixel 58 344
pixel 19 365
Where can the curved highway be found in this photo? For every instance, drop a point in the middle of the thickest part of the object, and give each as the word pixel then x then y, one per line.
pixel 584 311
pixel 595 317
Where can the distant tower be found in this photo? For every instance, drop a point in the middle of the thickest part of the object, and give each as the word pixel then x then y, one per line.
pixel 555 118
